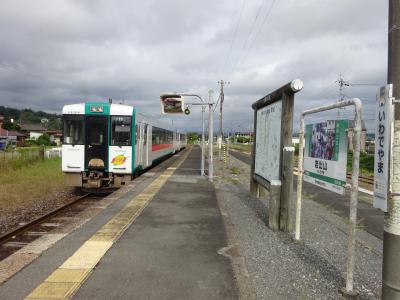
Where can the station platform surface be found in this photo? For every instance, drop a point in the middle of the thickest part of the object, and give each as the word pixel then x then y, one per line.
pixel 159 240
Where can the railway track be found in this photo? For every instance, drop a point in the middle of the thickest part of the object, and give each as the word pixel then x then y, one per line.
pixel 362 179
pixel 15 239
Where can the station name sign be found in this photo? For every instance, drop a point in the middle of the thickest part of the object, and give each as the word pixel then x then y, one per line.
pixel 383 130
pixel 325 155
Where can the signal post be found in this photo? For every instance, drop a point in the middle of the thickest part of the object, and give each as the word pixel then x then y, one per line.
pixel 174 104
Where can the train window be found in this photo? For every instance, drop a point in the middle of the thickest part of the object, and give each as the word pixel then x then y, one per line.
pixel 73 130
pixel 156 136
pixel 96 134
pixel 120 131
pixel 161 136
pixel 145 134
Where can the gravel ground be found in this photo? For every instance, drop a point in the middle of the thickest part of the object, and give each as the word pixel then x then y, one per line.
pixel 280 268
pixel 34 208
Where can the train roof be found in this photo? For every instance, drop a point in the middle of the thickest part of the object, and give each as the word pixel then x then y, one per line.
pixel 113 109
pixel 97 108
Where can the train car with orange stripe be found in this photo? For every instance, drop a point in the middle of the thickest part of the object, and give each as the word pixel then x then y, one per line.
pixel 105 145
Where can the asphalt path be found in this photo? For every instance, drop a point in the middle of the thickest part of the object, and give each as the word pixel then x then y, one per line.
pixel 369 218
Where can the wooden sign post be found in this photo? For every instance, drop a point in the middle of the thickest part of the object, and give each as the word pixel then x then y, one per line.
pixel 272 153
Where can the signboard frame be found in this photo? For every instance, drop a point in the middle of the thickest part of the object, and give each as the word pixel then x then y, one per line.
pixel 285 94
pixel 280 186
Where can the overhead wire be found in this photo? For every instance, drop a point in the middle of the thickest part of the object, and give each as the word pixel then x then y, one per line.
pixel 259 10
pixel 259 30
pixel 234 36
pixel 215 107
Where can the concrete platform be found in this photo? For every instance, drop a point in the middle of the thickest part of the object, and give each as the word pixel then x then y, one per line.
pixel 159 240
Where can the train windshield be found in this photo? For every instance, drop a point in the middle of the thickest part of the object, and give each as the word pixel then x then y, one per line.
pixel 121 131
pixel 73 130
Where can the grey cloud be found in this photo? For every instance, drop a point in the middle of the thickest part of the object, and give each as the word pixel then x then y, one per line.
pixel 60 52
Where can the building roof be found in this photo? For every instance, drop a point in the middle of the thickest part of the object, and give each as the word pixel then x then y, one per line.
pixel 5 133
pixel 32 127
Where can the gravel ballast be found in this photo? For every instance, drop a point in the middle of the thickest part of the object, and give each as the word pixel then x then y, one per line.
pixel 280 268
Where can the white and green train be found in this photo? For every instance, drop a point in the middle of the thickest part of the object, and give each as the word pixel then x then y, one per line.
pixel 106 145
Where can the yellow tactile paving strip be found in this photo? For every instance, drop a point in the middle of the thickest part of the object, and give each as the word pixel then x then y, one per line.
pixel 65 281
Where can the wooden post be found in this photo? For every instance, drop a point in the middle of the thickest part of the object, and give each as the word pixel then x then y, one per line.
pixel 253 184
pixel 286 172
pixel 274 204
pixel 287 190
pixel 41 152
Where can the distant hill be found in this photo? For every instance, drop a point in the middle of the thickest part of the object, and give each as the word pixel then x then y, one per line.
pixel 30 116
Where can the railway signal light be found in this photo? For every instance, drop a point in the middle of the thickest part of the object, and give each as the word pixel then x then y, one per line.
pixel 187 111
pixel 172 104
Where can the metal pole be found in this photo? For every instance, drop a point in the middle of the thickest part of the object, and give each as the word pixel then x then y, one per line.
pixel 220 133
pixel 354 183
pixel 300 172
pixel 210 138
pixel 203 126
pixel 353 202
pixel 391 236
pixel 227 148
pixel 202 140
pixel 221 101
pixel 299 179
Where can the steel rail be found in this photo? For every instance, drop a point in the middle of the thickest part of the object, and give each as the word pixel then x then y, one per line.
pixel 8 235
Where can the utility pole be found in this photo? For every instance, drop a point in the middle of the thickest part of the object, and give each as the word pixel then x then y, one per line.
pixel 210 137
pixel 342 83
pixel 203 151
pixel 221 100
pixel 391 236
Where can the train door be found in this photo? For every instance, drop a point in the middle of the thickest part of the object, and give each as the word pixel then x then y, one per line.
pixel 136 145
pixel 174 145
pixel 96 146
pixel 140 144
pixel 146 144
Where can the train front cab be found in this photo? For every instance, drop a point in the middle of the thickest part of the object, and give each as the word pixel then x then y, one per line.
pixel 97 148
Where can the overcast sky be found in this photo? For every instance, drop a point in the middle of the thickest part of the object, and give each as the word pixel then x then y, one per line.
pixel 60 52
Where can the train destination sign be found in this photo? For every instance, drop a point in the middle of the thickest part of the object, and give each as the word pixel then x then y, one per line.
pixel 268 141
pixel 325 155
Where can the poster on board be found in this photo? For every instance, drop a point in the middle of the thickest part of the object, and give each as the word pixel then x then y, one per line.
pixel 268 141
pixel 383 129
pixel 325 154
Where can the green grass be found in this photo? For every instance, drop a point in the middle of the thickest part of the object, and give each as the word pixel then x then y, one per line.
pixel 24 185
pixel 234 170
pixel 12 160
pixel 366 163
